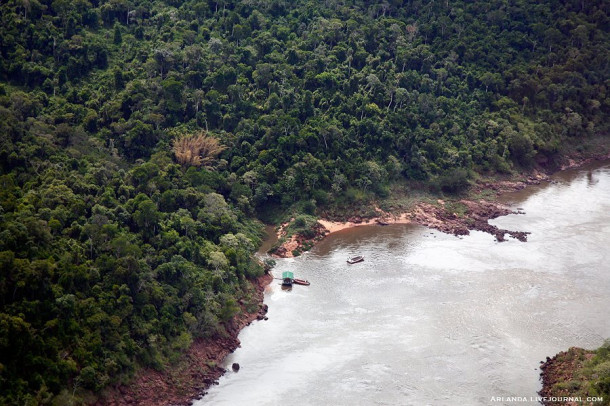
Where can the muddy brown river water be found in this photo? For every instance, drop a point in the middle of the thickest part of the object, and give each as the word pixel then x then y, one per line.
pixel 432 319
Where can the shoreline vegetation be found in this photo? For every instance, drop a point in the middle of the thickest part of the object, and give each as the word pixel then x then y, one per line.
pixel 577 374
pixel 199 368
pixel 456 215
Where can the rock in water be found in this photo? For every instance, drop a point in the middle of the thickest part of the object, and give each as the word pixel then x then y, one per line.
pixel 235 367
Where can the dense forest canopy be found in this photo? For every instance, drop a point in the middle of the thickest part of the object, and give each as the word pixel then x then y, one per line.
pixel 117 247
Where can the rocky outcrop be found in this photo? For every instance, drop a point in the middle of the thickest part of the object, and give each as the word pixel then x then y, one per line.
pixel 297 244
pixel 475 217
pixel 559 373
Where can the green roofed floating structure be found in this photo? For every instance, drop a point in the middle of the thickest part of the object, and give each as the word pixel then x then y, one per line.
pixel 287 278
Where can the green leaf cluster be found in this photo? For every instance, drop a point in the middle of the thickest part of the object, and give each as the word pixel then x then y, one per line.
pixel 104 269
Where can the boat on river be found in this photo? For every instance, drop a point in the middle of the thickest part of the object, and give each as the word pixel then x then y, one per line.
pixel 287 278
pixel 300 282
pixel 356 259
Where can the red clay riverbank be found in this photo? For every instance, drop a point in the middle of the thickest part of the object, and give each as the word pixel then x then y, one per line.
pixel 473 214
pixel 197 371
pixel 558 372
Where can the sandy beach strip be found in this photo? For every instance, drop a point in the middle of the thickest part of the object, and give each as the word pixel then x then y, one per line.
pixel 334 226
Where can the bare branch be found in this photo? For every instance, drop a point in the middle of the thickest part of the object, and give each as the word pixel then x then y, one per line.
pixel 197 150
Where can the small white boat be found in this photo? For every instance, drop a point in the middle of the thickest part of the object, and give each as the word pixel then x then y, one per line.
pixel 356 259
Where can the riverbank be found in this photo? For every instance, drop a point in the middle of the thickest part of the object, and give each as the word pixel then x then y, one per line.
pixel 560 376
pixel 457 216
pixel 487 311
pixel 198 369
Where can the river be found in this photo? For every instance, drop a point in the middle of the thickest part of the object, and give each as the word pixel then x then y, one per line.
pixel 429 318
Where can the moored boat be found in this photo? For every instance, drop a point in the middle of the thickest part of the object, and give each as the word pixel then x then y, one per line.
pixel 356 259
pixel 287 278
pixel 300 282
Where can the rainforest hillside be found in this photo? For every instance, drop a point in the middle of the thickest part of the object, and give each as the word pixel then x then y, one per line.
pixel 139 140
